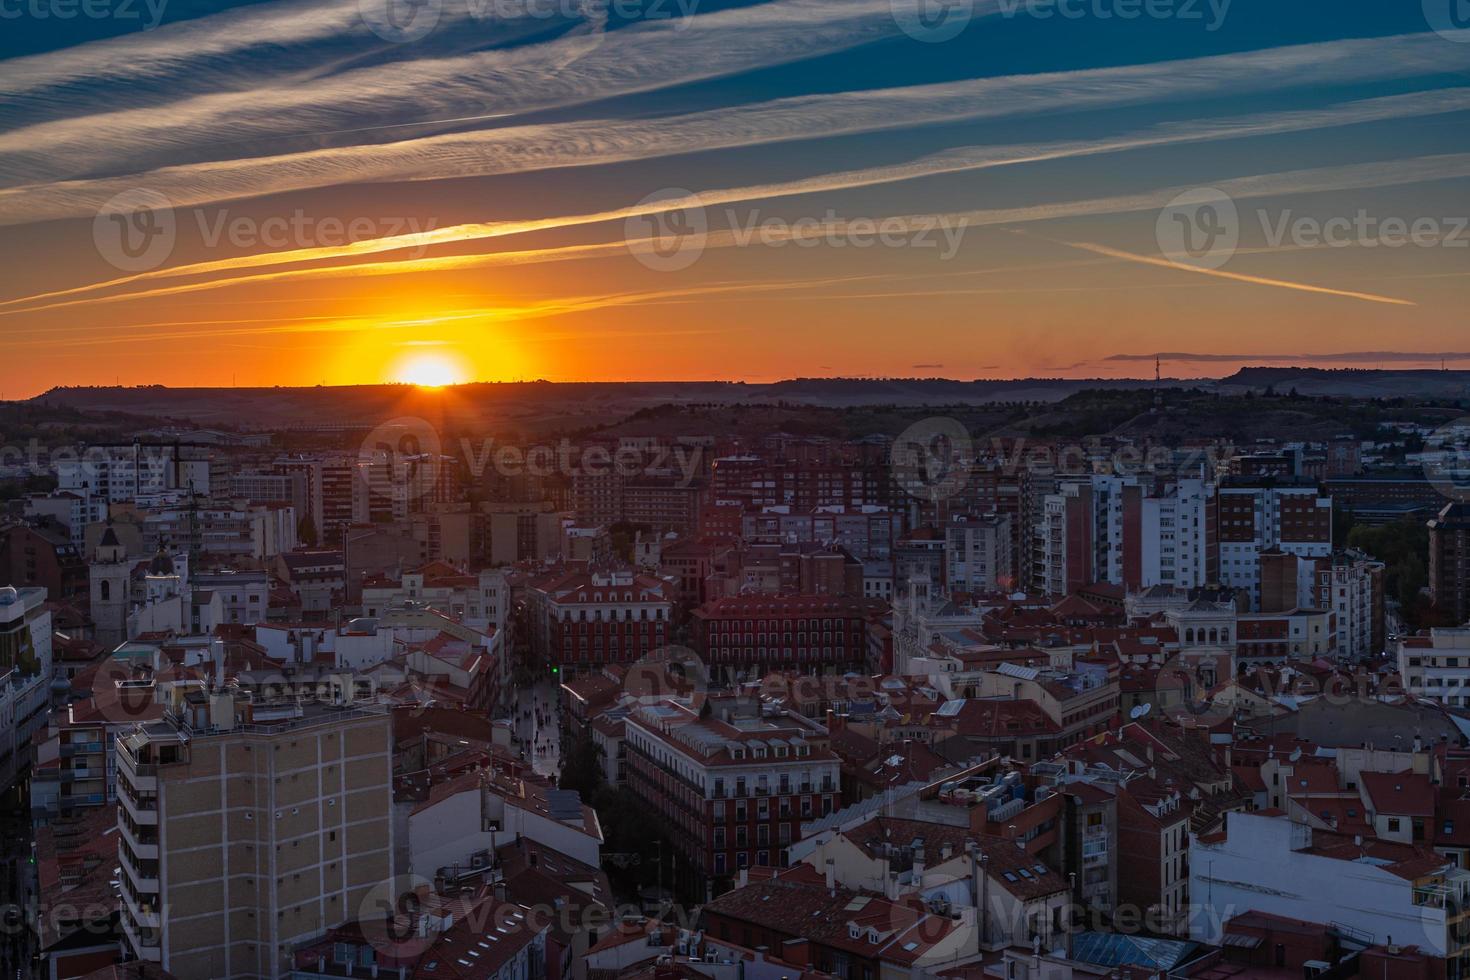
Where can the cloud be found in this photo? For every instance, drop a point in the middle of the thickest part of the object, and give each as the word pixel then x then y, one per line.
pixel 1350 177
pixel 584 65
pixel 515 149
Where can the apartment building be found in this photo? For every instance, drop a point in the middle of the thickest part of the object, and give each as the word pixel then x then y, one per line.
pixel 977 554
pixel 582 621
pixel 1449 562
pixel 1256 515
pixel 1381 892
pixel 743 635
pixel 1437 666
pixel 247 829
pixel 1126 531
pixel 25 676
pixel 730 781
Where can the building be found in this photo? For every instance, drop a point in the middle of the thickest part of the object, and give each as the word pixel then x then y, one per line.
pixel 730 781
pixel 247 830
pixel 745 636
pixel 1125 531
pixel 1437 666
pixel 977 554
pixel 581 621
pixel 1377 892
pixel 108 474
pixel 25 676
pixel 1449 562
pixel 1258 515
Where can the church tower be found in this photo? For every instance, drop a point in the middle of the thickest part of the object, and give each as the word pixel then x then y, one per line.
pixel 108 572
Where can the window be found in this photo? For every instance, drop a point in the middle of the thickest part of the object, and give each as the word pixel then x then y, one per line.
pixel 1393 825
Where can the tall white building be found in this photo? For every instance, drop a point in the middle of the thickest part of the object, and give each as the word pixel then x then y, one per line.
pixel 1125 530
pixel 103 475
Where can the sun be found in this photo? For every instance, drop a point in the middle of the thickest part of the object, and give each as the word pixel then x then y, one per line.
pixel 429 371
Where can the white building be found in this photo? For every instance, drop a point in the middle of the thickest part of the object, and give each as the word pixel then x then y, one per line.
pixel 1258 515
pixel 1437 666
pixel 1370 888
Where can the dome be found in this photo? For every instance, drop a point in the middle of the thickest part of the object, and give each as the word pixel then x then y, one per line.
pixel 161 564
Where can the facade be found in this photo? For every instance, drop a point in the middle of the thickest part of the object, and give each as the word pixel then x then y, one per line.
pixel 977 554
pixel 245 833
pixel 752 635
pixel 25 676
pixel 1437 666
pixel 1378 892
pixel 582 621
pixel 1258 515
pixel 1124 531
pixel 730 783
pixel 1449 562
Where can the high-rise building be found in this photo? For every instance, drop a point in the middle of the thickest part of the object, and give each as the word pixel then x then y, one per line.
pixel 25 676
pixel 248 829
pixel 1126 531
pixel 977 554
pixel 1255 515
pixel 1449 562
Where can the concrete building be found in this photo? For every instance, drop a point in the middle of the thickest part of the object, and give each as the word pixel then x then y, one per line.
pixel 1256 515
pixel 247 830
pixel 977 554
pixel 1449 562
pixel 1378 892
pixel 25 676
pixel 1437 666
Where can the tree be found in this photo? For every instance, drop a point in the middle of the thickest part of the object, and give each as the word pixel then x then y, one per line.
pixel 306 531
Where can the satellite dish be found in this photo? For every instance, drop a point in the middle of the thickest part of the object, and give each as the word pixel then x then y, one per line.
pixel 1139 711
pixel 1296 754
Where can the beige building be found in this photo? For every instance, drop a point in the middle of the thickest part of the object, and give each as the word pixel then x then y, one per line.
pixel 246 830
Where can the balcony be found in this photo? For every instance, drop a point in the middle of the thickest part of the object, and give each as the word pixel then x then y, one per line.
pixel 143 851
pixel 80 748
pixel 144 914
pixel 137 880
pixel 141 940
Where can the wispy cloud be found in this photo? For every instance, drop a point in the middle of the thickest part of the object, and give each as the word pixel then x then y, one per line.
pixel 1117 253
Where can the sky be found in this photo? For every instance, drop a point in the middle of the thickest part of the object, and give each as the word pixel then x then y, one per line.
pixel 301 192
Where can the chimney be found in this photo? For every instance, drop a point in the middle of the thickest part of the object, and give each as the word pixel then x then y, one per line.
pixel 832 876
pixel 917 849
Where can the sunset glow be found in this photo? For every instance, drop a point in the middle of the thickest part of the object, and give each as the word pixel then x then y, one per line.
pixel 431 370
